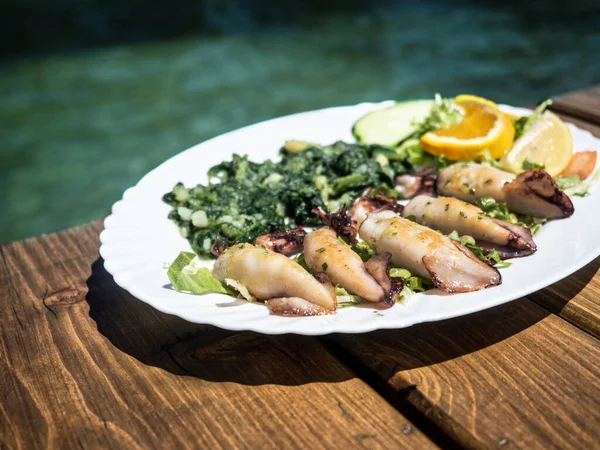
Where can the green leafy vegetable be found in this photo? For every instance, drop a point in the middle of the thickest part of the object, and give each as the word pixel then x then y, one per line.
pixel 567 181
pixel 572 184
pixel 493 257
pixel 488 159
pixel 496 210
pixel 444 113
pixel 528 165
pixel 345 299
pixel 299 258
pixel 363 250
pixel 522 124
pixel 412 283
pixel 415 156
pixel 244 199
pixel 186 275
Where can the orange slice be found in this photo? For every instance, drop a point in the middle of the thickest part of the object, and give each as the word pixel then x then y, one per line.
pixel 465 98
pixel 484 128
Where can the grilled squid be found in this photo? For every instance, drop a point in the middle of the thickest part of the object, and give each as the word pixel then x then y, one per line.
pixel 535 193
pixel 532 192
pixel 448 214
pixel 287 242
pixel 368 204
pixel 371 281
pixel 449 264
pixel 285 285
pixel 410 185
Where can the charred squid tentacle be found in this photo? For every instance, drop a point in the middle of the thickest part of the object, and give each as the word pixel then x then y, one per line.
pixel 286 242
pixel 535 193
pixel 449 214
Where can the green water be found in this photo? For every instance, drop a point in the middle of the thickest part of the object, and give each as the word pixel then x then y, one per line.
pixel 77 129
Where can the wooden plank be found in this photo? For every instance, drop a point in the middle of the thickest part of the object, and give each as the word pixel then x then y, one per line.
pixel 592 128
pixel 583 104
pixel 84 364
pixel 515 376
pixel 577 297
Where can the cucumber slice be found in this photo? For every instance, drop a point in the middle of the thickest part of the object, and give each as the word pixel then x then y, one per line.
pixel 390 126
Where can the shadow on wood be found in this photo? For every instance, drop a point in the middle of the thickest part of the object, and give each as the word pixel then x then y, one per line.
pixel 393 351
pixel 558 295
pixel 184 348
pixel 203 351
pixel 575 298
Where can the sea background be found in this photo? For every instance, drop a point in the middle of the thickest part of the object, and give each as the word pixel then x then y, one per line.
pixel 95 93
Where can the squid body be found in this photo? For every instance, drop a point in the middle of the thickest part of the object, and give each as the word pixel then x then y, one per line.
pixel 448 214
pixel 532 192
pixel 324 252
pixel 285 285
pixel 425 252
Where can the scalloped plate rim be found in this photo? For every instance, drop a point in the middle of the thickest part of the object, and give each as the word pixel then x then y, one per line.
pixel 302 325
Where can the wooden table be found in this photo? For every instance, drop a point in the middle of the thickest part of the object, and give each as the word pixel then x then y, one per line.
pixel 84 364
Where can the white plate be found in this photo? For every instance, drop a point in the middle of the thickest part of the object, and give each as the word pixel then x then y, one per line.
pixel 139 239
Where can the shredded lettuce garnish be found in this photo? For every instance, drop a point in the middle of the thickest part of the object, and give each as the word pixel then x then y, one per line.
pixel 488 159
pixel 299 258
pixel 444 113
pixel 567 181
pixel 363 250
pixel 416 156
pixel 528 165
pixel 412 283
pixel 522 124
pixel 493 257
pixel 345 299
pixel 496 210
pixel 187 275
pixel 573 186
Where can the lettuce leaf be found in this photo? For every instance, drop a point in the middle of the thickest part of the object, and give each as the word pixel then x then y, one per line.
pixel 493 257
pixel 416 156
pixel 567 181
pixel 345 299
pixel 444 113
pixel 573 186
pixel 412 283
pixel 496 210
pixel 522 124
pixel 187 276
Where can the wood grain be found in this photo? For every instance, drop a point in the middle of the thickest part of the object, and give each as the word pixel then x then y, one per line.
pixel 583 104
pixel 514 376
pixel 83 364
pixel 577 297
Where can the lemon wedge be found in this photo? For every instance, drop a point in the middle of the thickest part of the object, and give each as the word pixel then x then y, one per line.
pixel 483 128
pixel 547 142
